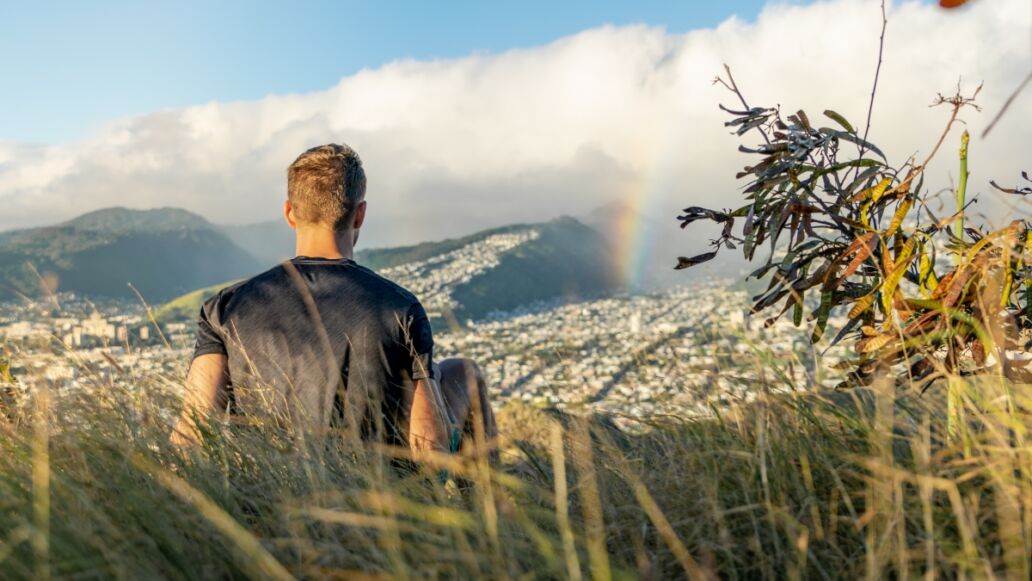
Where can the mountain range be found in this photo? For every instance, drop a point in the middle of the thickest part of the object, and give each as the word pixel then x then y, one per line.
pixel 167 253
pixel 162 253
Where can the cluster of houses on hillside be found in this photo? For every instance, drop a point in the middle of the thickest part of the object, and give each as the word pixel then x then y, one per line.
pixel 433 280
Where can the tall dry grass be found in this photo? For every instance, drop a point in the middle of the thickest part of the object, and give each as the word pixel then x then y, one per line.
pixel 840 485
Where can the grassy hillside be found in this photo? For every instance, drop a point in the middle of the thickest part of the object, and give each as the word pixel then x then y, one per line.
pixel 791 486
pixel 187 306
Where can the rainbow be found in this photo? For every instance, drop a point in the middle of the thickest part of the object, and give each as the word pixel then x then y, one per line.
pixel 635 226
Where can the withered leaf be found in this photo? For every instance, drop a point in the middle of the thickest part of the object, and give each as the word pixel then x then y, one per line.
pixel 683 262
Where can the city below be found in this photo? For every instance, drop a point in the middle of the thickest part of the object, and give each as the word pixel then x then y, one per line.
pixel 684 351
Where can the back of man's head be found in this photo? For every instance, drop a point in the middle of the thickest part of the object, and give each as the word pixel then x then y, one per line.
pixel 325 184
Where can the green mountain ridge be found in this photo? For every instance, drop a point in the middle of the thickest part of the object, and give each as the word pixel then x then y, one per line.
pixel 176 259
pixel 162 253
pixel 272 241
pixel 380 258
pixel 123 220
pixel 567 259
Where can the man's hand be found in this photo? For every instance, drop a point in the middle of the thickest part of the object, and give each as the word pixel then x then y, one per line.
pixel 429 428
pixel 207 377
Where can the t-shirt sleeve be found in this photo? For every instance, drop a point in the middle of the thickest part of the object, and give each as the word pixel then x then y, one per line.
pixel 419 340
pixel 209 339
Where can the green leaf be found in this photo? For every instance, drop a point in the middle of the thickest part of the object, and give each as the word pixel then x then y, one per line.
pixel 840 120
pixel 822 317
pixel 741 212
pixel 859 141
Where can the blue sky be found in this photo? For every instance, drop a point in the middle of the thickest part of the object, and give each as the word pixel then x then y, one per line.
pixel 70 66
pixel 202 108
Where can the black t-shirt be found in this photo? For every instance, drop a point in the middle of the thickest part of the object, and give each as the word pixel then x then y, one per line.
pixel 321 342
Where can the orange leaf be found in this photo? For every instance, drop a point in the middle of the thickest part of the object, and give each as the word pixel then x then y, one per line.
pixel 873 343
pixel 861 306
pixel 854 265
pixel 951 3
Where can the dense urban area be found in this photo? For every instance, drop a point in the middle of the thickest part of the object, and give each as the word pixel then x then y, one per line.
pixel 676 352
pixel 680 351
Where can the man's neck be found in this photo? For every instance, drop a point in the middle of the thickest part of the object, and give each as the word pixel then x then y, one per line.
pixel 321 242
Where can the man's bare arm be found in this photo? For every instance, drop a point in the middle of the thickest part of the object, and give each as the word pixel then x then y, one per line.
pixel 428 420
pixel 207 377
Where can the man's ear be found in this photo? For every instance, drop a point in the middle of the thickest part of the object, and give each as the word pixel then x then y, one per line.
pixel 360 210
pixel 288 214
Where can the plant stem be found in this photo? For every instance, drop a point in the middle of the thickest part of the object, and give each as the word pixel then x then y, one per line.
pixel 958 226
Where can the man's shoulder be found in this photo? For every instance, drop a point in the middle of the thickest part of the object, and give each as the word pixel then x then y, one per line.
pixel 386 291
pixel 226 293
pixel 384 283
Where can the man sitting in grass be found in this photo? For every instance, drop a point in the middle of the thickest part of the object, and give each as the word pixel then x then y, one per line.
pixel 320 342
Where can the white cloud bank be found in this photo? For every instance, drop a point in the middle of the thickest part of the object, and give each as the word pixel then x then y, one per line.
pixel 451 146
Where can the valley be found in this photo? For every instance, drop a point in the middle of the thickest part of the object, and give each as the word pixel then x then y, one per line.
pixel 539 306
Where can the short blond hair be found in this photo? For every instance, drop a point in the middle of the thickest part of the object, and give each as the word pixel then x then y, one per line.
pixel 325 184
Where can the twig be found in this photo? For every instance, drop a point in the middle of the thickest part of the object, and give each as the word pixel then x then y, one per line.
pixel 874 89
pixel 733 87
pixel 874 86
pixel 958 102
pixel 1007 104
